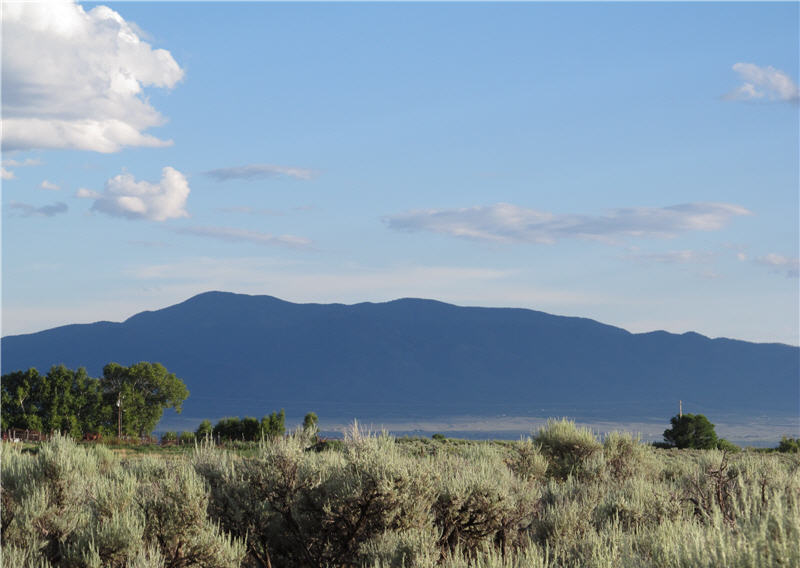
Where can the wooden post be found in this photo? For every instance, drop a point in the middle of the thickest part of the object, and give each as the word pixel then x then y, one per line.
pixel 680 409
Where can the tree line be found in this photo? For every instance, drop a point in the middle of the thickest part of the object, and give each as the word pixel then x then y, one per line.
pixel 249 429
pixel 126 400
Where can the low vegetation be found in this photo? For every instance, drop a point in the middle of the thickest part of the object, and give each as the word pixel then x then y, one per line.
pixel 561 497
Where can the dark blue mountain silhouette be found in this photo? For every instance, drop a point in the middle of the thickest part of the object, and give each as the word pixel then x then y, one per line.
pixel 248 355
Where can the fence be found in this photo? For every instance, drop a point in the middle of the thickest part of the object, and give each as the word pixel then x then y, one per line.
pixel 24 435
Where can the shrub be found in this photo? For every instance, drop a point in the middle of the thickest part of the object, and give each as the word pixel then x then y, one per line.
pixel 480 502
pixel 301 508
pixel 725 445
pixel 388 503
pixel 415 547
pixel 527 461
pixel 789 445
pixel 570 450
pixel 73 506
pixel 625 456
pixel 635 504
pixel 566 519
pixel 44 497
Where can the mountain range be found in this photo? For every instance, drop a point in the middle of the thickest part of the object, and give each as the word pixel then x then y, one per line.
pixel 249 355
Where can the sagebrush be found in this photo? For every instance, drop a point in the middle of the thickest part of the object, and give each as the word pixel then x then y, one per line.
pixel 558 498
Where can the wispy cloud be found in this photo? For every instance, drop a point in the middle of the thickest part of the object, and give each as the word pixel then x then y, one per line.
pixel 763 84
pixel 234 235
pixel 245 210
pixel 507 223
pixel 27 210
pixel 782 264
pixel 302 282
pixel 260 171
pixel 125 197
pixel 149 244
pixel 22 163
pixel 10 163
pixel 673 257
pixel 49 186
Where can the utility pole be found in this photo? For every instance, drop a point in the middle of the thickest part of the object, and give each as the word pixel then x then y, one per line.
pixel 680 409
pixel 119 416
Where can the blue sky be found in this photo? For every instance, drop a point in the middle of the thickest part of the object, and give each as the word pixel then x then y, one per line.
pixel 633 163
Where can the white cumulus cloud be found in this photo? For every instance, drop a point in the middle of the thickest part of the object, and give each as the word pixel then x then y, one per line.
pixel 507 223
pixel 6 174
pixel 124 196
pixel 74 78
pixel 763 83
pixel 49 186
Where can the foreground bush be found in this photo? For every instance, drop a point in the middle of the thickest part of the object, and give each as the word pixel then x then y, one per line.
pixel 571 450
pixel 558 499
pixel 71 506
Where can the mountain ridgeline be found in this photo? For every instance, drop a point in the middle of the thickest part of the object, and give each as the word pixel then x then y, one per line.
pixel 241 354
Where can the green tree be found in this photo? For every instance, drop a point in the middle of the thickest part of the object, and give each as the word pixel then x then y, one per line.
pixel 274 425
pixel 203 430
pixel 229 428
pixel 64 400
pixel 144 390
pixel 691 431
pixel 311 423
pixel 21 399
pixel 251 429
pixel 789 445
pixel 59 400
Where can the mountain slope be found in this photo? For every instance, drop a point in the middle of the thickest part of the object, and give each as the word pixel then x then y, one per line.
pixel 242 354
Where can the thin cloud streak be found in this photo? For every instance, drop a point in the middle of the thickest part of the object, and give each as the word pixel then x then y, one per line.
pixel 782 264
pixel 260 171
pixel 507 223
pixel 27 210
pixel 234 235
pixel 24 163
pixel 674 257
pixel 245 210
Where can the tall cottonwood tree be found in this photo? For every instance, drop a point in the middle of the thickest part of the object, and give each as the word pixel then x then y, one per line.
pixel 64 400
pixel 144 391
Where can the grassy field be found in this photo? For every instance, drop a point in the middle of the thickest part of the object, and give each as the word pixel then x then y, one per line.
pixel 558 498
